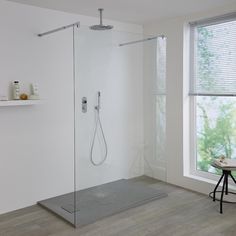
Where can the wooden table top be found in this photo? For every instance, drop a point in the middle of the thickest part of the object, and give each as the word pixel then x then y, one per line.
pixel 223 168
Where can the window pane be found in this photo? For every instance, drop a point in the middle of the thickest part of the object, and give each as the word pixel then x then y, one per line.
pixel 215 59
pixel 216 129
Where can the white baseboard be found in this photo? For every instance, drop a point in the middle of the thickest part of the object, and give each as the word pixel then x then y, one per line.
pixel 156 172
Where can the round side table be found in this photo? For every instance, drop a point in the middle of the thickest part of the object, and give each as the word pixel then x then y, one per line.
pixel 226 172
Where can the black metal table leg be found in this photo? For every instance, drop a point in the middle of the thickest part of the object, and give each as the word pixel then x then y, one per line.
pixel 226 182
pixel 232 177
pixel 222 194
pixel 214 192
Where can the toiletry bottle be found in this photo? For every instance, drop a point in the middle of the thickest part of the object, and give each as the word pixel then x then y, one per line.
pixel 35 92
pixel 16 90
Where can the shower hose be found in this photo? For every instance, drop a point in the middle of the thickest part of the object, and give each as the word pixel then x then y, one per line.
pixel 97 125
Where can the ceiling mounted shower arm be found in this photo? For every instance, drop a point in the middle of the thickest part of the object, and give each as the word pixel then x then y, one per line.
pixel 100 26
pixel 77 24
pixel 101 10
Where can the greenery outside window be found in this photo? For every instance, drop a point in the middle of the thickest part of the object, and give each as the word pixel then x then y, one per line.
pixel 213 91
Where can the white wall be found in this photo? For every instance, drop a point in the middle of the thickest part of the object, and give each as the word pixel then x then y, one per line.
pixel 36 160
pixel 117 73
pixel 177 99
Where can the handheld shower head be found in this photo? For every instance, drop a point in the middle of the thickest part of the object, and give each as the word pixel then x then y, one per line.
pixel 98 106
pixel 98 127
pixel 101 26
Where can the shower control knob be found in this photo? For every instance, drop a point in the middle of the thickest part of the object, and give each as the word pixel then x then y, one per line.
pixel 84 104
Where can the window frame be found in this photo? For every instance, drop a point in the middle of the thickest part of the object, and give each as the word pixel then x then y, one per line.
pixel 193 96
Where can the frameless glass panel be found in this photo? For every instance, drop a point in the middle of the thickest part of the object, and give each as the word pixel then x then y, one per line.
pixel 155 108
pixel 109 142
pixel 62 168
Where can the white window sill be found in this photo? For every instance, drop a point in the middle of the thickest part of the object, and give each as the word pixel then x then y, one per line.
pixel 213 179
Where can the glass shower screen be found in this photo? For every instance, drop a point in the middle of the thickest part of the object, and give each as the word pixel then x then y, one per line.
pixel 119 125
pixel 112 146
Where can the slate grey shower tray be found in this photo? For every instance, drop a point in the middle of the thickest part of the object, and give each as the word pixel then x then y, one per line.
pixel 98 202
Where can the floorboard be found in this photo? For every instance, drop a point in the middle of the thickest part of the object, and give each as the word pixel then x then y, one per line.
pixel 182 213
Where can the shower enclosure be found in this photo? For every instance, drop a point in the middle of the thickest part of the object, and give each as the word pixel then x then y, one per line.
pixel 119 124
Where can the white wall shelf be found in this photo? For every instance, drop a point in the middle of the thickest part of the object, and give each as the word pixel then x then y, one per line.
pixel 19 103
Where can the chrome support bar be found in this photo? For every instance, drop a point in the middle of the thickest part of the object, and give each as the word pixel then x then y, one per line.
pixel 59 29
pixel 140 41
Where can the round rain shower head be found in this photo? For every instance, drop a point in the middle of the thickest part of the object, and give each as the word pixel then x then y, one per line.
pixel 101 26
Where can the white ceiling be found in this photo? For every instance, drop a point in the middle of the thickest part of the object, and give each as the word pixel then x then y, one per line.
pixel 134 11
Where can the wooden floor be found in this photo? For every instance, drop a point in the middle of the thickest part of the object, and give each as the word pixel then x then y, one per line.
pixel 181 213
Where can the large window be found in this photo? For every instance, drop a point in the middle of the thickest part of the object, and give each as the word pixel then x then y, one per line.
pixel 213 90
